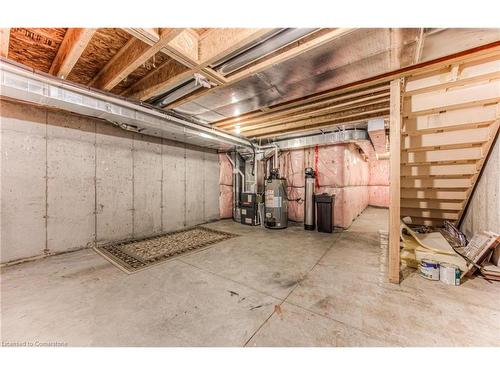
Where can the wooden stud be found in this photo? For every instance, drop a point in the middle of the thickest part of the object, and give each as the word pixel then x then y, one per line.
pixel 74 43
pixel 394 189
pixel 4 42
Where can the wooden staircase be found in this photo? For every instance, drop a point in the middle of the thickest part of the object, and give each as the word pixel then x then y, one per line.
pixel 451 117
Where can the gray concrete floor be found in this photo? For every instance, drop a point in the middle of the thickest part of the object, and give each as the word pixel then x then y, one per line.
pixel 264 288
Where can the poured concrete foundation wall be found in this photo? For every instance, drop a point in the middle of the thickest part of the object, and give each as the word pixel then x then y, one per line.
pixel 68 181
pixel 483 212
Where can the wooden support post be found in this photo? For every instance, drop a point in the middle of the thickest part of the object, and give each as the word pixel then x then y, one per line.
pixel 4 42
pixel 394 190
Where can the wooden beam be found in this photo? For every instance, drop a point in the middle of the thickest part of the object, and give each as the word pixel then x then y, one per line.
pixel 289 54
pixel 4 42
pixel 319 113
pixel 147 35
pixel 166 77
pixel 308 111
pixel 74 43
pixel 129 58
pixel 183 50
pixel 360 113
pixel 221 42
pixel 394 189
pixel 482 53
pixel 296 106
pixel 324 127
pixel 419 46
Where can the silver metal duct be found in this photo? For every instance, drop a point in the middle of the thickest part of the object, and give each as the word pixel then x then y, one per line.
pixel 342 136
pixel 21 83
pixel 261 48
pixel 183 89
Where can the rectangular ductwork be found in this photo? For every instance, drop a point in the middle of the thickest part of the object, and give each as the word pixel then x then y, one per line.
pixel 21 83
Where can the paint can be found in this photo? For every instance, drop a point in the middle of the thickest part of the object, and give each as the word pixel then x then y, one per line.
pixel 429 269
pixel 449 274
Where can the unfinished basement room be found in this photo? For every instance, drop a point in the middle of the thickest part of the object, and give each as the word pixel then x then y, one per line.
pixel 250 187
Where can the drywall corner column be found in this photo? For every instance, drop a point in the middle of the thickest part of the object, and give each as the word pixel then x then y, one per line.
pixel 394 190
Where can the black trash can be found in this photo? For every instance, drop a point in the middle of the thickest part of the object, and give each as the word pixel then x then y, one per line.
pixel 324 212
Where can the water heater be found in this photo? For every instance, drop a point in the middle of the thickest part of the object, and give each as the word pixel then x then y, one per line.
pixel 276 202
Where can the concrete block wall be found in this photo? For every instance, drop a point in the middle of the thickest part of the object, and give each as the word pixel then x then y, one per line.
pixel 67 181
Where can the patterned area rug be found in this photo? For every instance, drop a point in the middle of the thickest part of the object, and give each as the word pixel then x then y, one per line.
pixel 135 255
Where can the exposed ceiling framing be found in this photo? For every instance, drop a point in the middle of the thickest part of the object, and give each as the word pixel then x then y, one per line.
pixel 290 89
pixel 74 43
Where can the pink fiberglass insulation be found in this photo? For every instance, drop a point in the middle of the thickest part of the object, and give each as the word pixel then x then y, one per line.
pixel 292 167
pixel 356 169
pixel 378 140
pixel 225 201
pixel 379 176
pixel 225 187
pixel 378 196
pixel 379 172
pixel 330 166
pixel 342 169
pixel 226 170
pixel 295 209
